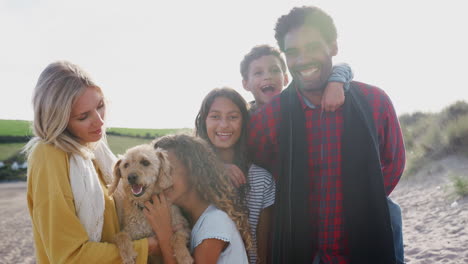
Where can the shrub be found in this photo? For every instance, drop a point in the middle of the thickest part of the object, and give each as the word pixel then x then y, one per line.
pixel 7 174
pixel 411 119
pixel 453 112
pixel 430 137
pixel 414 128
pixel 434 139
pixel 460 185
pixel 14 139
pixel 457 132
pixel 415 160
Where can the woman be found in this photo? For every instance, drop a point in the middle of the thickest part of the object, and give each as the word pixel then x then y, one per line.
pixel 73 217
pixel 222 121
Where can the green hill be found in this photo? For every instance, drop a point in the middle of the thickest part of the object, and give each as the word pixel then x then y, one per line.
pixel 15 128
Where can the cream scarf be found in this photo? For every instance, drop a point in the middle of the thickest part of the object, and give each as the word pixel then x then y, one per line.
pixel 87 191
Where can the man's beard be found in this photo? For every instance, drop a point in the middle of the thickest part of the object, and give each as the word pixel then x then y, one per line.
pixel 303 87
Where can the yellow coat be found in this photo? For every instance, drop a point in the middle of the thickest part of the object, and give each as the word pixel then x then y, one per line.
pixel 59 236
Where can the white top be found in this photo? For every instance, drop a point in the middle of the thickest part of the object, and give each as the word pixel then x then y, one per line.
pixel 214 223
pixel 261 195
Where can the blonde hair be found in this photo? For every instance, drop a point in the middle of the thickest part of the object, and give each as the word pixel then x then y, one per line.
pixel 208 176
pixel 57 88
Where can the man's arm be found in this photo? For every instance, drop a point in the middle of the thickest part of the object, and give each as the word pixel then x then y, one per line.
pixel 392 148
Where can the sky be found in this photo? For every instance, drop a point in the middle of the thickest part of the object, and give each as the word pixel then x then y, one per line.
pixel 156 60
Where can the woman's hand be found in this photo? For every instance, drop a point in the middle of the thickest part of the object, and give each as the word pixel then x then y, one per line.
pixel 333 96
pixel 236 175
pixel 158 215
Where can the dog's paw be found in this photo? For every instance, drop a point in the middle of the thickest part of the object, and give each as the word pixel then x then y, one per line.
pixel 128 256
pixel 124 243
pixel 179 243
pixel 128 260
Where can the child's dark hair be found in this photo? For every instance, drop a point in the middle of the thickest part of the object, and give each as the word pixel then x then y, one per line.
pixel 309 15
pixel 208 176
pixel 241 158
pixel 257 52
pixel 240 148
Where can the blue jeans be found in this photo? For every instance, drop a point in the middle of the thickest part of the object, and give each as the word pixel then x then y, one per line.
pixel 397 227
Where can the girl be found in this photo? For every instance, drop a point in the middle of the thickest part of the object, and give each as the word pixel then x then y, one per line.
pixel 73 217
pixel 222 121
pixel 203 191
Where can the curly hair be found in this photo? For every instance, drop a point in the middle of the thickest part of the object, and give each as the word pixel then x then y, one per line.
pixel 257 52
pixel 309 15
pixel 208 176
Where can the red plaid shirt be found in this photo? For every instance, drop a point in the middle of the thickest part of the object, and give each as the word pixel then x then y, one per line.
pixel 324 133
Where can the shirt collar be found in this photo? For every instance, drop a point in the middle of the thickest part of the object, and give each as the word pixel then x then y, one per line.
pixel 304 101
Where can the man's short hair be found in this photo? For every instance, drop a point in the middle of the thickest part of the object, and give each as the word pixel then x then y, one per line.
pixel 257 52
pixel 309 15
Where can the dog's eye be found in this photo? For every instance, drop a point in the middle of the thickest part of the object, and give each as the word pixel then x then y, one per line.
pixel 145 163
pixel 126 165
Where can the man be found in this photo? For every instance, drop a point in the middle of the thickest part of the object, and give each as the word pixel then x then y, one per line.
pixel 334 170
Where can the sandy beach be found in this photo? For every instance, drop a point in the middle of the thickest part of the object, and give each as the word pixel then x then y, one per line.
pixel 16 241
pixel 435 220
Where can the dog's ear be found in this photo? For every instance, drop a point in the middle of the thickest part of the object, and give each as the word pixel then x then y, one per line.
pixel 117 176
pixel 165 179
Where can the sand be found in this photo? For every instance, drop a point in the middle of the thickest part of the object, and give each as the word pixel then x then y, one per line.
pixel 435 221
pixel 16 240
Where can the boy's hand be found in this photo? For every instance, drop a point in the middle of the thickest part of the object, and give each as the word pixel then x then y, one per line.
pixel 236 175
pixel 333 96
pixel 158 215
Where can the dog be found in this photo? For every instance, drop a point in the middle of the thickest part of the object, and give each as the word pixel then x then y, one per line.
pixel 144 171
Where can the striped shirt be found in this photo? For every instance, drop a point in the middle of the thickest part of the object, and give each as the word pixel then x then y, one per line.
pixel 261 195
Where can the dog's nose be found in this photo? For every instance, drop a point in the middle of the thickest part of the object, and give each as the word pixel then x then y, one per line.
pixel 132 178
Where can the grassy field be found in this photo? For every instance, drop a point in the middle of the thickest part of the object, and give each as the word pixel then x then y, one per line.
pixel 15 128
pixel 118 144
pixel 23 128
pixel 146 132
